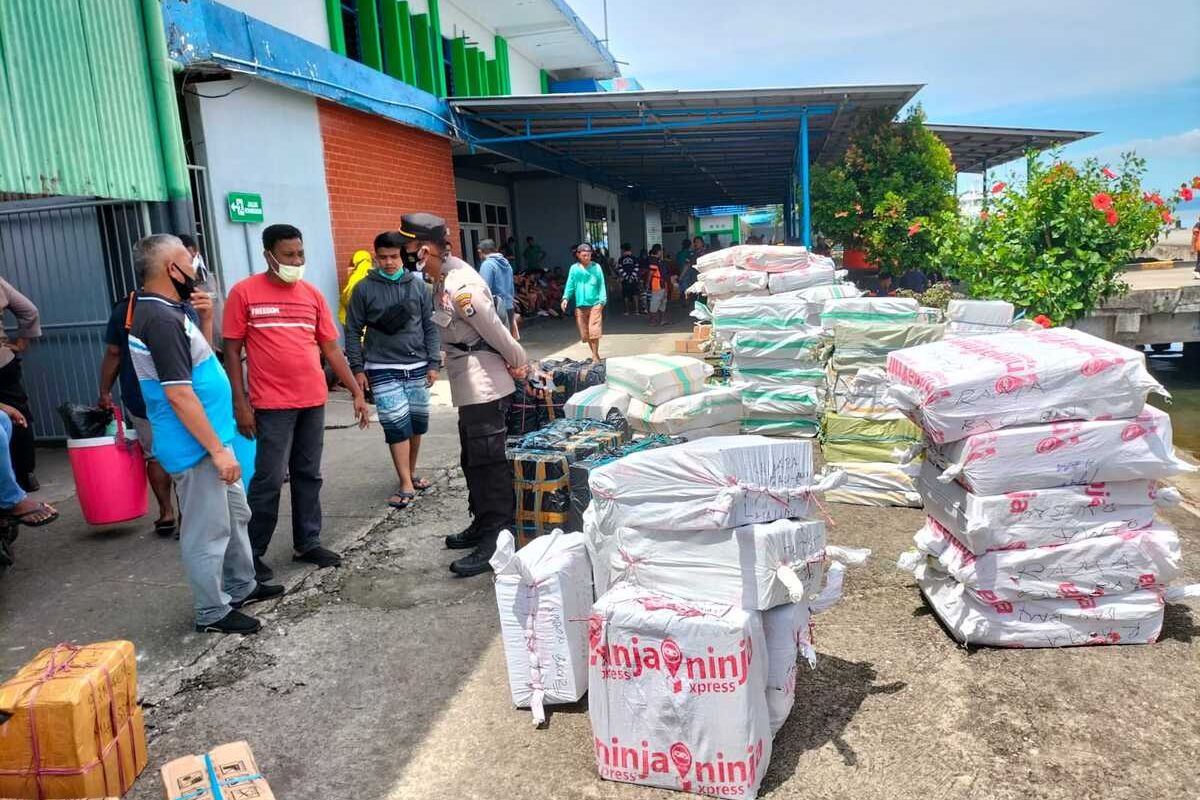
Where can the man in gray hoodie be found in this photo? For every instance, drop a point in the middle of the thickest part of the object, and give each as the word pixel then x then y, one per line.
pixel 393 346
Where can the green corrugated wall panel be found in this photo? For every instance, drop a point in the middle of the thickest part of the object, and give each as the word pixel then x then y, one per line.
pixel 493 76
pixel 397 41
pixel 545 77
pixel 337 29
pixel 439 49
pixel 76 109
pixel 369 49
pixel 502 61
pixel 482 73
pixel 423 53
pixel 460 64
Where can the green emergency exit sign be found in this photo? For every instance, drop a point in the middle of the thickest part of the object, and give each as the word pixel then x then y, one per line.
pixel 244 207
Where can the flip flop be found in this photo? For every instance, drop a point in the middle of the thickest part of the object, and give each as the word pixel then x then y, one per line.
pixel 420 484
pixel 406 500
pixel 42 508
pixel 165 528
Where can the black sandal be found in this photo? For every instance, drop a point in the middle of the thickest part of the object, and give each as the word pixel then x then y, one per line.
pixel 166 527
pixel 406 500
pixel 23 519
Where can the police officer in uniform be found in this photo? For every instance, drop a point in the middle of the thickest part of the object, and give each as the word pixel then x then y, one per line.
pixel 482 359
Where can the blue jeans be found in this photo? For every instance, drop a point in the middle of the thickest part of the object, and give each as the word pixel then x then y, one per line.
pixel 10 492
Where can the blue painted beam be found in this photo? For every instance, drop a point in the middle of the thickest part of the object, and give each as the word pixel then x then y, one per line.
pixel 668 112
pixel 206 33
pixel 645 126
pixel 806 210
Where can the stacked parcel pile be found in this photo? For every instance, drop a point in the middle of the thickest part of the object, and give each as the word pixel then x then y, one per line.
pixel 775 338
pixel 706 564
pixel 669 395
pixel 1041 534
pixel 864 431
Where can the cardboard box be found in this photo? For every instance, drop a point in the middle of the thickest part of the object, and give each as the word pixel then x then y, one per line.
pixel 80 705
pixel 231 766
pixel 691 346
pixel 701 331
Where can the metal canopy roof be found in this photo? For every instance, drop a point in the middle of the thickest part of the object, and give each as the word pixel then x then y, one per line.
pixel 977 148
pixel 679 148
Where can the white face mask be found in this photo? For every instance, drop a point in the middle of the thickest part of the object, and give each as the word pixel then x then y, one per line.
pixel 287 272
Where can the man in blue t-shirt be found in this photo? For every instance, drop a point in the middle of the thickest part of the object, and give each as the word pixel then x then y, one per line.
pixel 116 363
pixel 189 403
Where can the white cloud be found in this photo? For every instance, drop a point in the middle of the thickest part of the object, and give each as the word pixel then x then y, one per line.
pixel 1175 145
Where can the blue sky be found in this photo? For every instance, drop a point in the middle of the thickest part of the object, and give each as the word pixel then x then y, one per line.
pixel 1127 68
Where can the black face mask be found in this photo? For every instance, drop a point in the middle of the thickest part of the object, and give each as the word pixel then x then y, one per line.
pixel 410 259
pixel 185 287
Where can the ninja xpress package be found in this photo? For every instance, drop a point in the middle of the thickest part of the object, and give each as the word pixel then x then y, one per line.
pixel 677 693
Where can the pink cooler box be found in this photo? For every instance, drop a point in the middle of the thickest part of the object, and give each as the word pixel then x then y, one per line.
pixel 110 477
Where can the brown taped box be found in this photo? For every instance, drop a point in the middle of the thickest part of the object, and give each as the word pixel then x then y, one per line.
pixel 73 728
pixel 688 346
pixel 233 767
pixel 701 331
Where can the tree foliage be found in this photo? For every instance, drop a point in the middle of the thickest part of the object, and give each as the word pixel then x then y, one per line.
pixel 892 180
pixel 1055 246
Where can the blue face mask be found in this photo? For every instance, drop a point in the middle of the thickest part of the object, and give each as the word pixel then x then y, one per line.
pixel 397 275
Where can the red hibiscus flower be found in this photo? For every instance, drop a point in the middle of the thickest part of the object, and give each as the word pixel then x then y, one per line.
pixel 1102 201
pixel 983 215
pixel 1110 216
pixel 998 187
pixel 1196 182
pixel 1167 218
pixel 1108 173
pixel 1186 193
pixel 914 229
pixel 1043 320
pixel 1153 197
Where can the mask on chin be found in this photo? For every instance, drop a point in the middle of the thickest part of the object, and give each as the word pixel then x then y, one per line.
pixel 288 273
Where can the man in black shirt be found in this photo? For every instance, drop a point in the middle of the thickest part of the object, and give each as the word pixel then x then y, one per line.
pixel 631 285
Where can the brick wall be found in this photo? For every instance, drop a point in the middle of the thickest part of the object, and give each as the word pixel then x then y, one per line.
pixel 378 170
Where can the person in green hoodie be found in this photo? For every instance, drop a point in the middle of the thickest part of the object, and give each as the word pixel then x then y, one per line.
pixel 585 288
pixel 393 347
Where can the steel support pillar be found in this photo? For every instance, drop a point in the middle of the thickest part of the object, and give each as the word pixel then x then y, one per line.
pixel 806 211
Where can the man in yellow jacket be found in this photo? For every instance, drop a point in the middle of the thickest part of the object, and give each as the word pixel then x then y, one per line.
pixel 360 266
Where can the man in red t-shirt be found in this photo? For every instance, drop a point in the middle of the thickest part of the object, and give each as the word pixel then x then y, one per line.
pixel 285 326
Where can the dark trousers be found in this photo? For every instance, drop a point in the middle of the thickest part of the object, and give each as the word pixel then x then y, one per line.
pixel 20 447
pixel 482 430
pixel 288 439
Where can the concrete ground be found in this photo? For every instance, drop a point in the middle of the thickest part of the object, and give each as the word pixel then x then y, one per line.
pixel 385 678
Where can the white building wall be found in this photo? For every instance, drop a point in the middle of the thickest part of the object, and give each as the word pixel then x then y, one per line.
pixel 456 22
pixel 653 226
pixel 481 192
pixel 236 137
pixel 304 18
pixel 526 76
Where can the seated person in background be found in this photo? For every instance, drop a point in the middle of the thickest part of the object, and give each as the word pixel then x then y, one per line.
pixel 15 505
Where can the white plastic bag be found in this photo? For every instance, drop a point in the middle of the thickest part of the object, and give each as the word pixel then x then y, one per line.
pixel 787 629
pixel 869 483
pixel 543 592
pixel 705 409
pixel 1040 517
pixel 978 317
pixel 677 694
pixel 869 309
pixel 786 401
pixel 718 482
pixel 724 429
pixel 1102 566
pixel 974 384
pixel 1134 618
pixel 812 275
pixel 770 372
pixel 730 281
pixel 757 257
pixel 1062 454
pixel 797 345
pixel 655 379
pixel 599 402
pixel 752 566
pixel 782 312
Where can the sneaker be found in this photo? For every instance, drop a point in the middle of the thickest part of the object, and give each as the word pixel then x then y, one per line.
pixel 262 573
pixel 463 540
pixel 320 557
pixel 263 591
pixel 476 562
pixel 233 622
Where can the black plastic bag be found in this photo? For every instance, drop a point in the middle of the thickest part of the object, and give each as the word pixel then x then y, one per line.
pixel 84 422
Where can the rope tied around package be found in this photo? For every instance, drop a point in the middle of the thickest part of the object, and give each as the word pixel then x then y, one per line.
pixel 54 670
